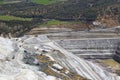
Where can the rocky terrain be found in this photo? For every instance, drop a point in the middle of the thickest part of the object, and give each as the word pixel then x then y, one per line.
pixel 95 44
pixel 59 40
pixel 26 57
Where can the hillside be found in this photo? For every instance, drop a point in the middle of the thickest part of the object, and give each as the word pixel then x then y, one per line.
pixel 83 11
pixel 110 16
pixel 59 39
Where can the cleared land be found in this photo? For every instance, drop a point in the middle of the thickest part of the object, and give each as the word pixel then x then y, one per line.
pixel 10 18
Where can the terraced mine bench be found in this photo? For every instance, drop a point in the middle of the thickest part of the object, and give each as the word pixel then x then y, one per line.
pixel 91 48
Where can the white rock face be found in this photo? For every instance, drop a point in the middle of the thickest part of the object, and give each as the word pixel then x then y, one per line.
pixel 12 68
pixel 28 75
pixel 5 48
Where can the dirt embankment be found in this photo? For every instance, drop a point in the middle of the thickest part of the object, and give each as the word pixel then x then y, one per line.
pixel 109 20
pixel 60 28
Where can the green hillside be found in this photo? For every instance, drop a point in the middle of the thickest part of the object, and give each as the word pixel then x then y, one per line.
pixel 46 2
pixel 9 18
pixel 1 1
pixel 85 11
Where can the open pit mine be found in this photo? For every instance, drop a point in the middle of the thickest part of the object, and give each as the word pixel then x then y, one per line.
pixel 80 55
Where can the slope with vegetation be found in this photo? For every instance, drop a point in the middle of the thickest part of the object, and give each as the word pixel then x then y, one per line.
pixel 85 11
pixel 9 18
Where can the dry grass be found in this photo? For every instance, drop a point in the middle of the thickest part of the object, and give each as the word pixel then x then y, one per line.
pixel 111 63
